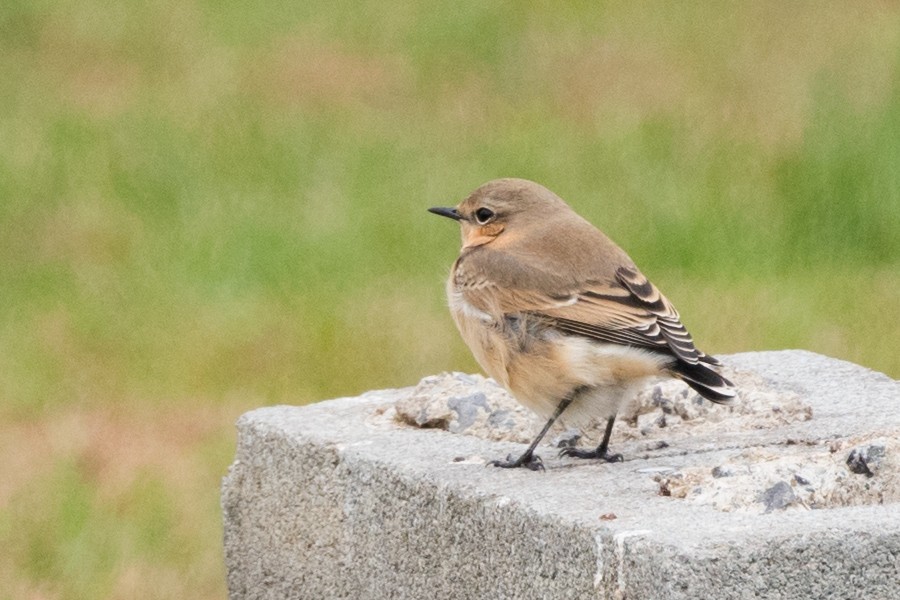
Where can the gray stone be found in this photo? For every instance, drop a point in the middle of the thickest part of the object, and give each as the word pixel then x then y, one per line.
pixel 567 439
pixel 469 404
pixel 722 471
pixel 779 496
pixel 866 460
pixel 353 498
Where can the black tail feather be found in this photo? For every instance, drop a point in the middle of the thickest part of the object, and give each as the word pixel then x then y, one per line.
pixel 712 360
pixel 706 381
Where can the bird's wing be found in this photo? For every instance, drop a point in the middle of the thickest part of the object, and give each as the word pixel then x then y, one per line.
pixel 628 310
pixel 622 309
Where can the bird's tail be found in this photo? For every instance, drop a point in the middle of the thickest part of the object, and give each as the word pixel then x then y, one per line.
pixel 706 381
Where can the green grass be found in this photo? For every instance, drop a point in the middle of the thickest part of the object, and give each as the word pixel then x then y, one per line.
pixel 208 207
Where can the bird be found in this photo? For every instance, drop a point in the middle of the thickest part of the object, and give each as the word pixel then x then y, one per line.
pixel 560 316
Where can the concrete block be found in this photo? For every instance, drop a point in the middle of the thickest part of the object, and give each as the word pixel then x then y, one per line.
pixel 795 495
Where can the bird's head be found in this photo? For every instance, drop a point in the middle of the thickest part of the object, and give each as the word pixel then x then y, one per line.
pixel 504 207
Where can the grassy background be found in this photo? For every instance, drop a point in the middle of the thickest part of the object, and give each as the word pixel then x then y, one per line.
pixel 206 207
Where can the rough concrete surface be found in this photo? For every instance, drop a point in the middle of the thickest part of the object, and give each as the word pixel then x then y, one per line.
pixel 793 493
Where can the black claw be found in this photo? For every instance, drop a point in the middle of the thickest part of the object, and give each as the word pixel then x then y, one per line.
pixel 531 462
pixel 535 464
pixel 605 455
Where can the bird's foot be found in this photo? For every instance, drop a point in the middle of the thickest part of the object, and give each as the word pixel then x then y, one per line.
pixel 528 460
pixel 604 455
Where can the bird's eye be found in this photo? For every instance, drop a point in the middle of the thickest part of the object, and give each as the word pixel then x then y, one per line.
pixel 483 215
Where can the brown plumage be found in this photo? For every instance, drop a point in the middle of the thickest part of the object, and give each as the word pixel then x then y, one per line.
pixel 559 314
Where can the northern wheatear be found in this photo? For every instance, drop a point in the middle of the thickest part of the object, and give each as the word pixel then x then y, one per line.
pixel 560 316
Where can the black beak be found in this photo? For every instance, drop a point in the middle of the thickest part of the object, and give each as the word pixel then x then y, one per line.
pixel 450 213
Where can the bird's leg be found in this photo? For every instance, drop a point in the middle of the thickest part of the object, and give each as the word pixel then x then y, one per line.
pixel 529 459
pixel 601 452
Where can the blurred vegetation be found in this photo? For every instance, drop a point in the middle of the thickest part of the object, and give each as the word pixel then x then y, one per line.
pixel 211 206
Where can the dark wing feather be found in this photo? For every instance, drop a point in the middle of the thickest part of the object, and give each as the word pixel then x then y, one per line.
pixel 629 310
